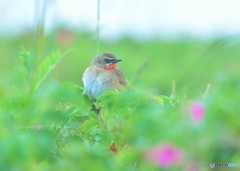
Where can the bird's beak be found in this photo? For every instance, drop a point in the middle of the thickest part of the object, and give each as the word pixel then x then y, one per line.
pixel 115 60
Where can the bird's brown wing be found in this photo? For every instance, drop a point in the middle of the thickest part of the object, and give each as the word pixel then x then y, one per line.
pixel 122 79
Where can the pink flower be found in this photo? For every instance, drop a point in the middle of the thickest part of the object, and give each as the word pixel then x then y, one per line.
pixel 165 155
pixel 197 111
pixel 39 126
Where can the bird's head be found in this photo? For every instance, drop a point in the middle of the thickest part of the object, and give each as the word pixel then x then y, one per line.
pixel 106 60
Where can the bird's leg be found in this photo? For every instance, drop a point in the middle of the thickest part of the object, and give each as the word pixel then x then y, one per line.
pixel 96 107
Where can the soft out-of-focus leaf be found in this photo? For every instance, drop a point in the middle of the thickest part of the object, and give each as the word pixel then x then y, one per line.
pixel 45 68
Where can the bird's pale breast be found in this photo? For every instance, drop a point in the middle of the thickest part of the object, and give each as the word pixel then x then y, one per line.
pixel 97 80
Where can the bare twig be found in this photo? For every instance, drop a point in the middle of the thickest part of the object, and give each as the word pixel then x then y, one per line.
pixel 98 25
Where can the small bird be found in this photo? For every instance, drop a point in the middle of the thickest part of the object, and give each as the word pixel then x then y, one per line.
pixel 103 74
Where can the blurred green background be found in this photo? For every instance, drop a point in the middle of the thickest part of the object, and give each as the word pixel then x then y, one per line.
pixel 52 126
pixel 153 63
pixel 46 122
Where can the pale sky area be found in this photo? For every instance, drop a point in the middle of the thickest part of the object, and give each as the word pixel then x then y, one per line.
pixel 140 18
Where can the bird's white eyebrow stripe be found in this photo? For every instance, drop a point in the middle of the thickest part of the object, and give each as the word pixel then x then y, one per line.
pixel 108 58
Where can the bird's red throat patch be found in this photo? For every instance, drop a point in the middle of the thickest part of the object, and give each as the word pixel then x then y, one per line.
pixel 110 67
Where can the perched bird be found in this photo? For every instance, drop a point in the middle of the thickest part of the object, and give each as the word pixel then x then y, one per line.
pixel 102 75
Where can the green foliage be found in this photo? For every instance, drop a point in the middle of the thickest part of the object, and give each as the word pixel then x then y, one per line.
pixel 45 68
pixel 36 76
pixel 47 124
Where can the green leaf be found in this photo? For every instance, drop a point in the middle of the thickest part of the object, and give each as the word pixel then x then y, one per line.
pixel 49 63
pixel 28 60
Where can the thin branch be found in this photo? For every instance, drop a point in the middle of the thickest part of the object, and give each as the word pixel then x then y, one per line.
pixel 206 93
pixel 98 25
pixel 173 93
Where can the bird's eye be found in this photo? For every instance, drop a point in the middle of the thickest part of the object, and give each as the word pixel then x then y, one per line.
pixel 107 60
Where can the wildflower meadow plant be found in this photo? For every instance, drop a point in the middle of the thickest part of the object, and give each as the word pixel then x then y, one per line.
pixel 197 111
pixel 165 155
pixel 47 123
